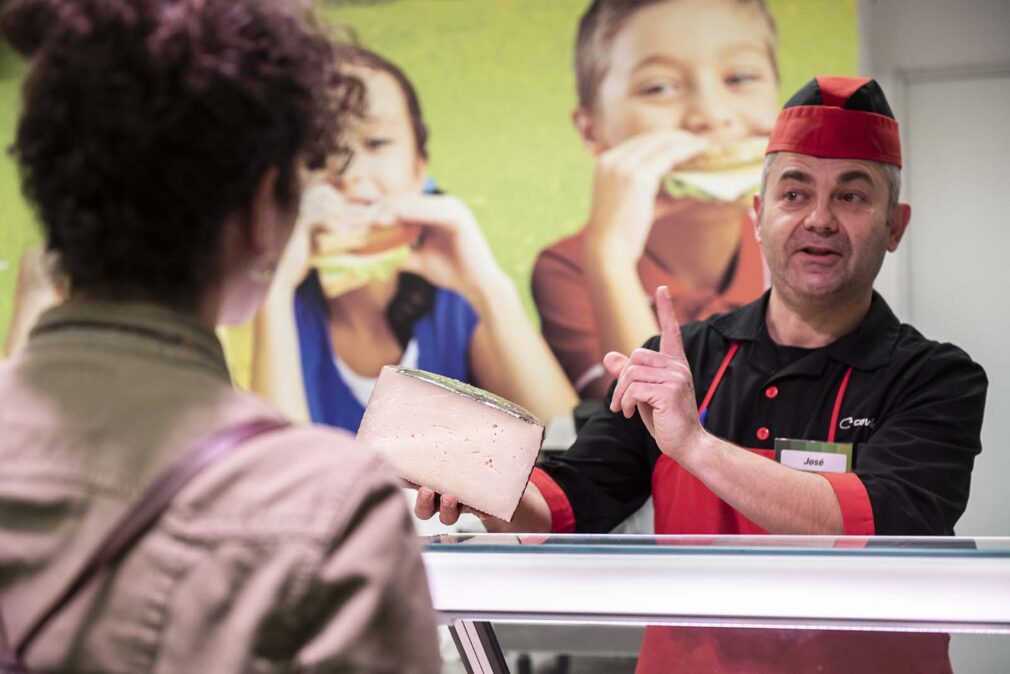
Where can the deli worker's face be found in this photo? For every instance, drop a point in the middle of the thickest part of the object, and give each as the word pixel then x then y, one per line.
pixel 824 226
pixel 701 66
pixel 385 161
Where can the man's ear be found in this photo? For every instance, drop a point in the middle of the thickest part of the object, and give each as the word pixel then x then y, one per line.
pixel 585 123
pixel 756 205
pixel 898 225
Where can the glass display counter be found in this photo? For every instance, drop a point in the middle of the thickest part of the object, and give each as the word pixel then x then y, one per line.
pixel 485 583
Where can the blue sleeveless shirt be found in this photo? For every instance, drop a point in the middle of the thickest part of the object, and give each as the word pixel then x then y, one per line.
pixel 443 339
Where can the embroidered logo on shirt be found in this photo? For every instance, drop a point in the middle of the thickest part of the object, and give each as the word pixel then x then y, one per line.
pixel 848 422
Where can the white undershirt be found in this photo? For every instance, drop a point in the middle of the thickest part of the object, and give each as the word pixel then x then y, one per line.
pixel 361 386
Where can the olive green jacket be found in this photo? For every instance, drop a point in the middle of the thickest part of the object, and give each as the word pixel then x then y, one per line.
pixel 295 553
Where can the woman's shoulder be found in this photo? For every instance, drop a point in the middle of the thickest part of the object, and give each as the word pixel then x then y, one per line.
pixel 302 480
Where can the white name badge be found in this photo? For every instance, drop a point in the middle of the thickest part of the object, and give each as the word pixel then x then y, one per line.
pixel 817 462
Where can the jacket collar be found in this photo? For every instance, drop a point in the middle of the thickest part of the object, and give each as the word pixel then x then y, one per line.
pixel 139 327
pixel 868 347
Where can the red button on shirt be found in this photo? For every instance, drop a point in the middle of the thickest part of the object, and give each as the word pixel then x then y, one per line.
pixel 772 392
pixel 763 433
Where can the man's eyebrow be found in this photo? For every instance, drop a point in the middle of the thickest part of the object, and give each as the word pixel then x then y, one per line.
pixel 797 175
pixel 856 174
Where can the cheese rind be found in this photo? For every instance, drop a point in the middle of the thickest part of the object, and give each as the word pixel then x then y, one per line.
pixel 453 437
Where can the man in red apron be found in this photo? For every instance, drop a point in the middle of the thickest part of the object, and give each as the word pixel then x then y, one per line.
pixel 878 426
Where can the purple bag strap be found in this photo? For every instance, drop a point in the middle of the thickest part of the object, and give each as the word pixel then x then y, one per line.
pixel 135 522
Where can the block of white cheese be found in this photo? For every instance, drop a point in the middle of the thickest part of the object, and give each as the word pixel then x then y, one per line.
pixel 453 437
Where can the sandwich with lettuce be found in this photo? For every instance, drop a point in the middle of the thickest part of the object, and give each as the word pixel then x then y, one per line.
pixel 726 173
pixel 348 248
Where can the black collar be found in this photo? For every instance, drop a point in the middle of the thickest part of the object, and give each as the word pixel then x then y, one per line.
pixel 869 347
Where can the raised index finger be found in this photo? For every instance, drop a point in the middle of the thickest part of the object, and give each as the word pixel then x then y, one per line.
pixel 670 341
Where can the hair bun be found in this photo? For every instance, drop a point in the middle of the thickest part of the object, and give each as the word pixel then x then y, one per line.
pixel 29 25
pixel 25 24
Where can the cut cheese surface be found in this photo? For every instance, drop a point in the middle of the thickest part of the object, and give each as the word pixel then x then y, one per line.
pixel 453 437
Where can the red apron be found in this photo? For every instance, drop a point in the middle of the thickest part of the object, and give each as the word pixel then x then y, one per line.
pixel 683 505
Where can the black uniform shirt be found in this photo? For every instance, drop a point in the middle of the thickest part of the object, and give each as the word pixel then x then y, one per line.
pixel 913 409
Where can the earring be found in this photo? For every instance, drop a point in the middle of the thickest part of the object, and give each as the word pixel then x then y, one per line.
pixel 263 272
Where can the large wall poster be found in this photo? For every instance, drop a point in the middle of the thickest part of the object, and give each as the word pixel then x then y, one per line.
pixel 496 86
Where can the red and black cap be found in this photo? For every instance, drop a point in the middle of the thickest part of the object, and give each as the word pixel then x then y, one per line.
pixel 838 117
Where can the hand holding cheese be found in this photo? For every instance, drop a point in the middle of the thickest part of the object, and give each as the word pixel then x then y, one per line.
pixel 453 438
pixel 446 506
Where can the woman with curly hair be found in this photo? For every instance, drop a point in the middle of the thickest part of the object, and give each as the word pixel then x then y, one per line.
pixel 162 144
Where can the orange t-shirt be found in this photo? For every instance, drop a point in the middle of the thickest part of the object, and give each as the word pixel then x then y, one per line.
pixel 566 310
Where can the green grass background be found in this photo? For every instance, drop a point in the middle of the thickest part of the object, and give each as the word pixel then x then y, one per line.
pixel 496 87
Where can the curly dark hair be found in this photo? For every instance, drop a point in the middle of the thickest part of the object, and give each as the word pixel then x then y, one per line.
pixel 146 123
